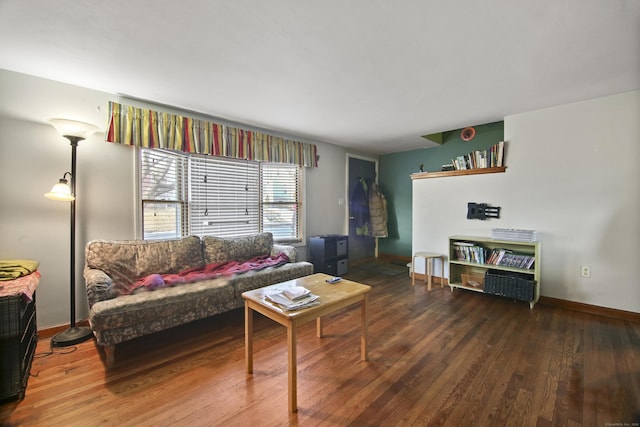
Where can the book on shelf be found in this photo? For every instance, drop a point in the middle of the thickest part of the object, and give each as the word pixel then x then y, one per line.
pixel 470 252
pixel 508 258
pixel 495 256
pixel 500 154
pixel 475 253
pixel 480 159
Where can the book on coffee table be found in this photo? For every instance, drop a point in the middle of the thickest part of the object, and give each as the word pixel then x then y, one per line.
pixel 293 299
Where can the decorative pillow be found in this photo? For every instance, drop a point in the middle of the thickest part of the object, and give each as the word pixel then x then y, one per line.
pixel 218 249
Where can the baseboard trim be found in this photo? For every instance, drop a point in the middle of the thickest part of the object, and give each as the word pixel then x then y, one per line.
pixel 590 309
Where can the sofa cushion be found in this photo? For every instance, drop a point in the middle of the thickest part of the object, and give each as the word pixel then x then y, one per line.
pixel 218 249
pixel 126 261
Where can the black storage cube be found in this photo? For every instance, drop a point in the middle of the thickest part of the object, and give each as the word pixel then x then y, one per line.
pixel 519 286
pixel 329 254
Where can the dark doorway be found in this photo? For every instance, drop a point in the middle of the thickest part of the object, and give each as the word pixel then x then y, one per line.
pixel 362 173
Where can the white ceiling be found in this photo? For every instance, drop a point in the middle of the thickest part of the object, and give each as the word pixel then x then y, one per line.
pixel 372 75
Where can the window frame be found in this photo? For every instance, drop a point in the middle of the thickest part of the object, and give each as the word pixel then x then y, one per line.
pixel 186 226
pixel 267 176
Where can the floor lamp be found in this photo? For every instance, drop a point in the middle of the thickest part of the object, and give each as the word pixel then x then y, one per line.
pixel 74 132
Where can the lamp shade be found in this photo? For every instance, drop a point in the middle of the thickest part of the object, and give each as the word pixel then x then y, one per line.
pixel 73 128
pixel 61 191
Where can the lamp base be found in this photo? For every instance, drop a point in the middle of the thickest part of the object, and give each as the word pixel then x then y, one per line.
pixel 71 336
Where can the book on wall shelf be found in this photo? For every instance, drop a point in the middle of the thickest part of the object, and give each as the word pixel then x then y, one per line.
pixel 481 159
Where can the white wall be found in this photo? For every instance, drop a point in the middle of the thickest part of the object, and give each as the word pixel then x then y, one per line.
pixel 572 175
pixel 33 157
pixel 328 202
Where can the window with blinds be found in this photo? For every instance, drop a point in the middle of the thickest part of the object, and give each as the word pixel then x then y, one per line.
pixel 280 200
pixel 163 194
pixel 202 195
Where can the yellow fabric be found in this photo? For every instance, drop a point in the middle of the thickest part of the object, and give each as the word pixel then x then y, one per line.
pixel 13 268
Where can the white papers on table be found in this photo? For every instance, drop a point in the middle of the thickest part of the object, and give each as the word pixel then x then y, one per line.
pixel 296 292
pixel 303 299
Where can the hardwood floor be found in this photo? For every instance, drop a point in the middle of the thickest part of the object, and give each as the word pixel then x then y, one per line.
pixel 436 358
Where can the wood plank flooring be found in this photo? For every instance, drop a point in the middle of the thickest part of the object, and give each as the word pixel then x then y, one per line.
pixel 436 358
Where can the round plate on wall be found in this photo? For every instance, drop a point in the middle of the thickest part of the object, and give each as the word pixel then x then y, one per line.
pixel 468 134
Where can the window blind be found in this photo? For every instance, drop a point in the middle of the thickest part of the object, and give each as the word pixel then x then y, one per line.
pixel 185 194
pixel 225 197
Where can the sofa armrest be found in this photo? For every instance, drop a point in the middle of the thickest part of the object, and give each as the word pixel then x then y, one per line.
pixel 99 286
pixel 288 250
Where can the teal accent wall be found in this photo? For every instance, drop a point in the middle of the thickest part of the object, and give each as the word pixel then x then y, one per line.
pixel 395 179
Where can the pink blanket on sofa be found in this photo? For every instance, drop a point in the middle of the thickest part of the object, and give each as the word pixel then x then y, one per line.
pixel 209 271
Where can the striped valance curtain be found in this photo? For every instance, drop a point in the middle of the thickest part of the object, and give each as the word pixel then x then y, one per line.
pixel 141 127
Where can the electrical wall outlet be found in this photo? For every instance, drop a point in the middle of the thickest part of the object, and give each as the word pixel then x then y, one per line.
pixel 585 271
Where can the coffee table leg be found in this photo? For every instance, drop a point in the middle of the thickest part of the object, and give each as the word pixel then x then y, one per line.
pixel 293 370
pixel 319 327
pixel 248 337
pixel 364 353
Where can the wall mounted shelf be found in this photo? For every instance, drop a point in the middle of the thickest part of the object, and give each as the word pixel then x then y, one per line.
pixel 425 175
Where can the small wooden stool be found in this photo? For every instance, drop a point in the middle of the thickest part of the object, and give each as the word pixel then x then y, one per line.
pixel 428 261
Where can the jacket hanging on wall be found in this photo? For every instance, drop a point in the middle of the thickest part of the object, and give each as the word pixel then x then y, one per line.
pixel 377 211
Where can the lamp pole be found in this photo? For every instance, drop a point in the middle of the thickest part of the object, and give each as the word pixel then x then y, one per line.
pixel 75 132
pixel 72 265
pixel 73 335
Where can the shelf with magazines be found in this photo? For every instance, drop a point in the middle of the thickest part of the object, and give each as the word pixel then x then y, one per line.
pixel 476 162
pixel 440 174
pixel 508 268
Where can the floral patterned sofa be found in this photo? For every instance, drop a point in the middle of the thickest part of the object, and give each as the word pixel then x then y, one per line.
pixel 114 268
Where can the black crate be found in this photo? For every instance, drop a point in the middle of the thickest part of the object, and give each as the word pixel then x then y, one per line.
pixel 18 340
pixel 15 313
pixel 518 286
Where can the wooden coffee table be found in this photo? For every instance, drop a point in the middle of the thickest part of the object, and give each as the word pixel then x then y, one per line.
pixel 332 298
